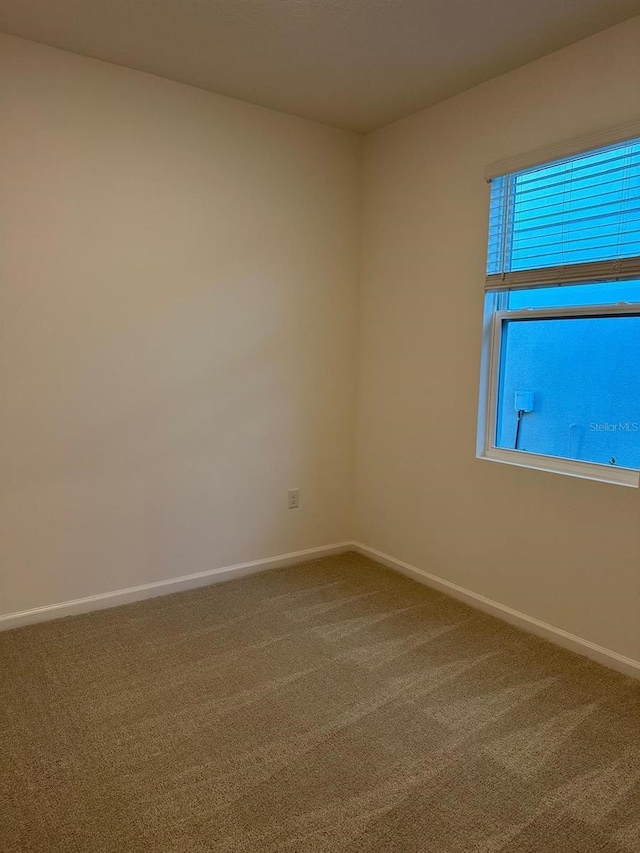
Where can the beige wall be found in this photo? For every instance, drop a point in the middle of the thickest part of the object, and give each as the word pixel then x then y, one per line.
pixel 178 278
pixel 179 283
pixel 563 550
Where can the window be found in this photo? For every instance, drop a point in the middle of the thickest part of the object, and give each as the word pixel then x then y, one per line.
pixel 561 359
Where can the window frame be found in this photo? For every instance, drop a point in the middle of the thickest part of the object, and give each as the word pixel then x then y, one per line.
pixel 496 313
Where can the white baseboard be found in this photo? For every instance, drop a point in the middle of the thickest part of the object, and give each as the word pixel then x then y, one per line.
pixel 608 658
pixel 560 637
pixel 151 590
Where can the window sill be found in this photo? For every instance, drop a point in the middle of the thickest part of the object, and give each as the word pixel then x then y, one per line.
pixel 568 467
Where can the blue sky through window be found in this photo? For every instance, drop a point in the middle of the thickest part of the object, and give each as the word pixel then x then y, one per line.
pixel 584 376
pixel 581 375
pixel 578 210
pixel 567 212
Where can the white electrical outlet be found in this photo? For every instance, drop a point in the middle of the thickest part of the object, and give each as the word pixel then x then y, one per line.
pixel 293 498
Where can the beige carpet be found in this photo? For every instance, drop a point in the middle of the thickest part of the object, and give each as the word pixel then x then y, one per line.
pixel 334 706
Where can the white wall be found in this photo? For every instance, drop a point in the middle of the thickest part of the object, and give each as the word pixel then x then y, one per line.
pixel 178 278
pixel 563 550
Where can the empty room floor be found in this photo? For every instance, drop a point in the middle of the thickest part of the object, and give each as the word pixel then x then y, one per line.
pixel 332 706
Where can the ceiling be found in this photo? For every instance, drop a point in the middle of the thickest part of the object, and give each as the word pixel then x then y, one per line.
pixel 356 64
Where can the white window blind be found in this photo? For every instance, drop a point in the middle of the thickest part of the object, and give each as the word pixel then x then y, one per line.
pixel 575 220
